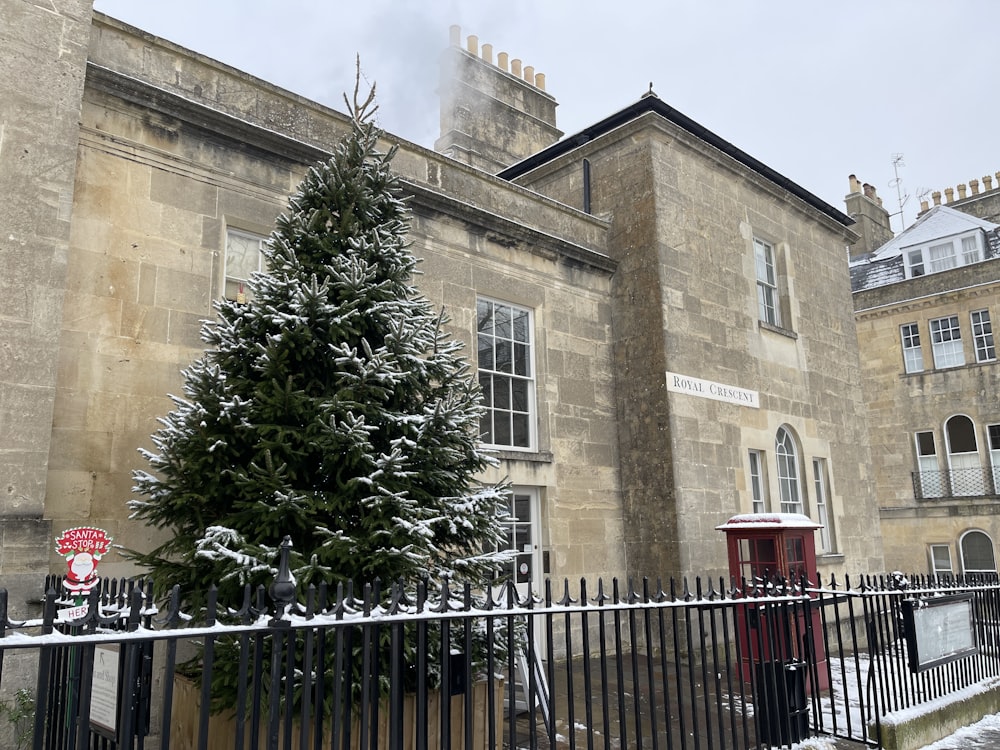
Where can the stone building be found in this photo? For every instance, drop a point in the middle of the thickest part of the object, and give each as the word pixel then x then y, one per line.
pixel 925 301
pixel 682 311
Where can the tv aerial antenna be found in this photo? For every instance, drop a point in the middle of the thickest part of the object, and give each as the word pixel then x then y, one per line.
pixel 897 182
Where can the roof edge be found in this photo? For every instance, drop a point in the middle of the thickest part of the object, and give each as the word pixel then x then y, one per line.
pixel 652 103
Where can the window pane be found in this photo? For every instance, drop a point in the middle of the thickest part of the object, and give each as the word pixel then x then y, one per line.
pixel 519 395
pixel 521 327
pixel 501 393
pixel 758 503
pixel 242 255
pixel 505 367
pixel 977 553
pixel 486 353
pixel 521 360
pixel 502 322
pixel 982 334
pixel 970 250
pixel 521 436
pixel 942 257
pixel 994 436
pixel 504 361
pixel 767 291
pixel 788 473
pixel 913 358
pixel 243 258
pixel 501 426
pixel 961 435
pixel 925 444
pixel 946 341
pixel 484 316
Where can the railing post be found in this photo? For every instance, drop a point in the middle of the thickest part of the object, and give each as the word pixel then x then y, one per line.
pixel 282 592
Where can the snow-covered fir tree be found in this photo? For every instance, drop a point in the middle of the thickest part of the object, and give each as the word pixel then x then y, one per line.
pixel 330 407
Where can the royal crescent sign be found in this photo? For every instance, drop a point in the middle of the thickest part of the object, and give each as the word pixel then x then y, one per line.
pixel 677 383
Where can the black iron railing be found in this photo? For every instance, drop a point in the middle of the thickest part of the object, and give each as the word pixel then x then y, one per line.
pixel 761 664
pixel 976 482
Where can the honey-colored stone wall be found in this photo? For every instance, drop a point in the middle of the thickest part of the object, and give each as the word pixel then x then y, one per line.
pixel 683 219
pixel 902 404
pixel 160 178
pixel 41 82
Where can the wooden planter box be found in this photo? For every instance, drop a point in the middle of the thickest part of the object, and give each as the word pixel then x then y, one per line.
pixel 222 727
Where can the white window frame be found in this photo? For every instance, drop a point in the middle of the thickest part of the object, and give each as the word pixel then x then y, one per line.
pixel 936 568
pixel 941 257
pixel 946 342
pixel 510 419
pixel 971 252
pixel 944 255
pixel 993 445
pixel 982 336
pixel 913 355
pixel 234 284
pixel 821 487
pixel 789 481
pixel 758 481
pixel 932 480
pixel 768 297
pixel 915 263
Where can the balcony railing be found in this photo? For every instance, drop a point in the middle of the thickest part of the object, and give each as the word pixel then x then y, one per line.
pixel 976 482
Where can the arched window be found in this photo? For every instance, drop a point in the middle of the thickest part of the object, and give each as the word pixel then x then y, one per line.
pixel 977 553
pixel 789 487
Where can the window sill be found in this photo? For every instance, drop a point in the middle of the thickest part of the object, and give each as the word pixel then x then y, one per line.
pixel 829 558
pixel 539 457
pixel 777 329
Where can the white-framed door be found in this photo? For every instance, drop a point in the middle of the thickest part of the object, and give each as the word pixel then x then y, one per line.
pixel 523 538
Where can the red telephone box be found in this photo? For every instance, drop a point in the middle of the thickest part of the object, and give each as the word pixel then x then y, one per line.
pixel 763 546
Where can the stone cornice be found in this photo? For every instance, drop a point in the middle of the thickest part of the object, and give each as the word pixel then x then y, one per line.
pixel 424 198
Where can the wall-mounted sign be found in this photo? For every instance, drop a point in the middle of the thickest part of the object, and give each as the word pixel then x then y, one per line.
pixel 938 630
pixel 678 383
pixel 83 547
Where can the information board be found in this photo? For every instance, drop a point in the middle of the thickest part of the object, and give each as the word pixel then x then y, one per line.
pixel 104 691
pixel 939 630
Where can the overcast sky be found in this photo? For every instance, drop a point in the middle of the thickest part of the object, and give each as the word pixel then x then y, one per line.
pixel 816 90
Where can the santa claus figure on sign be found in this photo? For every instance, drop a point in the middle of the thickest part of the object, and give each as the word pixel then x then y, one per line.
pixel 83 548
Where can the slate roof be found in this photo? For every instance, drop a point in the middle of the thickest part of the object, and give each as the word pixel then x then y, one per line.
pixel 885 265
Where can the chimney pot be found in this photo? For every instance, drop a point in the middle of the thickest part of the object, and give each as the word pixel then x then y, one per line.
pixel 502 61
pixel 987 183
pixel 949 195
pixel 924 206
pixel 974 186
pixel 936 196
pixel 515 66
pixel 855 186
pixel 455 35
pixel 869 191
pixel 962 190
pixel 488 53
pixel 540 81
pixel 529 74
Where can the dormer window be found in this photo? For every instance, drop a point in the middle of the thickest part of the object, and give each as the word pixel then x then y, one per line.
pixel 943 255
pixel 970 250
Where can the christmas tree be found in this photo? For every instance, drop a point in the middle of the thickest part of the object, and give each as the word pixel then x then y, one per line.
pixel 329 407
